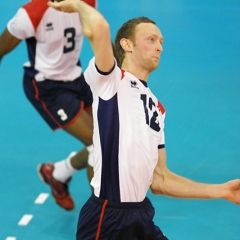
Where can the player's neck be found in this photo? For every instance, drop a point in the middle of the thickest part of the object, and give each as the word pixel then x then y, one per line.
pixel 137 71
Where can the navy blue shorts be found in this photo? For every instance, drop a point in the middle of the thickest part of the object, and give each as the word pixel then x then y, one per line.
pixel 59 103
pixel 101 220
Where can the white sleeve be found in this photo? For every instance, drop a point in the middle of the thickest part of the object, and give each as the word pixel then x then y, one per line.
pixel 162 135
pixel 20 26
pixel 162 139
pixel 104 86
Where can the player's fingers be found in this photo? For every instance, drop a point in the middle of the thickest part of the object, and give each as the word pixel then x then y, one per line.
pixel 53 4
pixel 57 5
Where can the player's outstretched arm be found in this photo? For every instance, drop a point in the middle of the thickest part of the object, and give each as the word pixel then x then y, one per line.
pixel 7 43
pixel 95 28
pixel 167 183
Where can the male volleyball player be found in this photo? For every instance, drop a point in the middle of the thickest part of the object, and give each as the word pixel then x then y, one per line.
pixel 128 138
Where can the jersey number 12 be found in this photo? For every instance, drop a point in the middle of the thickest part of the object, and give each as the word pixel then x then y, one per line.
pixel 149 106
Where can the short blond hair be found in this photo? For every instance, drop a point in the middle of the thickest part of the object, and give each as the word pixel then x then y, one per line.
pixel 127 30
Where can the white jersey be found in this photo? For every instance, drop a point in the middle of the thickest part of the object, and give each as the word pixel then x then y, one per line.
pixel 128 131
pixel 54 40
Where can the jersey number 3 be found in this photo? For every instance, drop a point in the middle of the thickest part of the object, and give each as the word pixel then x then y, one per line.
pixel 150 107
pixel 70 34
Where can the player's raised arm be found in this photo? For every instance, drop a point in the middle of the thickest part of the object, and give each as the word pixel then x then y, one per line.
pixel 7 43
pixel 95 28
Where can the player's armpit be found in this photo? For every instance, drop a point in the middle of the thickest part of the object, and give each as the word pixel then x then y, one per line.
pixel 159 173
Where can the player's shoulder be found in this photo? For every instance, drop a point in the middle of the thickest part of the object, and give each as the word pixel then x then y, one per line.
pixel 36 5
pixel 35 10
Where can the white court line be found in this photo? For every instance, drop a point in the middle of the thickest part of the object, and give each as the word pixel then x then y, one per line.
pixel 25 220
pixel 11 238
pixel 41 198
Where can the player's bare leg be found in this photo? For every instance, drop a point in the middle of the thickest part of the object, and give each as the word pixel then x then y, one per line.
pixel 58 175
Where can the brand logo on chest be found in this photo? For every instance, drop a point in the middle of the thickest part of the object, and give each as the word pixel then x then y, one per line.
pixel 49 26
pixel 134 84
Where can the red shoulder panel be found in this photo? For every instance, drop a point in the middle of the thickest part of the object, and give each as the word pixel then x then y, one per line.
pixel 35 10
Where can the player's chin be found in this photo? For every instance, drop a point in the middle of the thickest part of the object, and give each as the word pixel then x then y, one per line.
pixel 151 66
pixel 156 61
pixel 155 65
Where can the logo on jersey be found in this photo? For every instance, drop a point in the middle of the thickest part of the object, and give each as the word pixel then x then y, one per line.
pixel 134 84
pixel 49 26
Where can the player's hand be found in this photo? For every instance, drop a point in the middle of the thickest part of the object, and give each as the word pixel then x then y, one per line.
pixel 233 191
pixel 69 6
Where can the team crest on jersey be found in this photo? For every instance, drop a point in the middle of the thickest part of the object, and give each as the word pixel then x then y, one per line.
pixel 134 84
pixel 49 26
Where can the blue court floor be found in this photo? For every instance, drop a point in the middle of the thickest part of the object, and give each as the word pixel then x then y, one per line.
pixel 198 82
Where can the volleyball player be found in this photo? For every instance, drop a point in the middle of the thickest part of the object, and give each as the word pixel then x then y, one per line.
pixel 54 84
pixel 129 143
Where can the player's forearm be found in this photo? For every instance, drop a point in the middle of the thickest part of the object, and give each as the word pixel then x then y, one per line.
pixel 97 30
pixel 2 47
pixel 93 23
pixel 2 52
pixel 180 187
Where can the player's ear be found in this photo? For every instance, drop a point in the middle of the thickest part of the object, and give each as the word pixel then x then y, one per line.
pixel 126 44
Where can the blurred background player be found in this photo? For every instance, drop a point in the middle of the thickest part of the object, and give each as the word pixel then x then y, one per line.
pixel 54 83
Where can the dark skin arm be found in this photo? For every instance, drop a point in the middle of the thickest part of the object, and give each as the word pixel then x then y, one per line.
pixel 7 43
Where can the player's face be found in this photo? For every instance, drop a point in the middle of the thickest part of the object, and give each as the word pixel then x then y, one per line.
pixel 148 45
